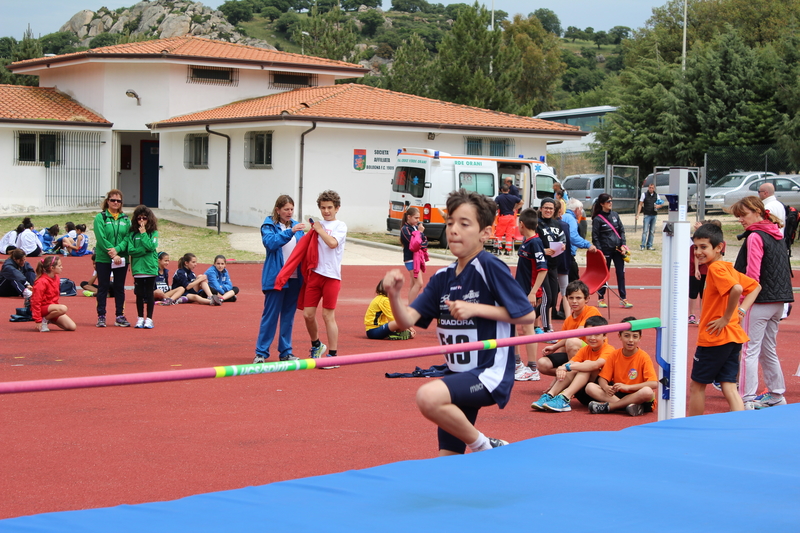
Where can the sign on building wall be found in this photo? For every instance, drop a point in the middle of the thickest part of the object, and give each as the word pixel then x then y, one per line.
pixel 373 159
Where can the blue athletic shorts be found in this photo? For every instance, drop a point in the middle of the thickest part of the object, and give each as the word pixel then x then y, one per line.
pixel 716 363
pixel 468 394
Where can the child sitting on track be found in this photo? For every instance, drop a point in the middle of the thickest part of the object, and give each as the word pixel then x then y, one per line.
pixel 46 291
pixel 163 292
pixel 627 381
pixel 475 298
pixel 573 377
pixel 89 287
pixel 196 287
pixel 555 355
pixel 220 281
pixel 80 245
pixel 379 320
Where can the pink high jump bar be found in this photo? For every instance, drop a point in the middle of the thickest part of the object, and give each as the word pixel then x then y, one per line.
pixel 12 387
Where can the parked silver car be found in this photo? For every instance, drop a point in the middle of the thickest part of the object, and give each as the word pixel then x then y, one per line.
pixel 662 184
pixel 587 187
pixel 787 190
pixel 715 194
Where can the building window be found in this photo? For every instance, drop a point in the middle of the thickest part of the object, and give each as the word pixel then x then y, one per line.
pixel 37 147
pixel 195 150
pixel 292 80
pixel 258 149
pixel 213 75
pixel 489 146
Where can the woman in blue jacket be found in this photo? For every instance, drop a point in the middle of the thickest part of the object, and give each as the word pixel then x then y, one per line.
pixel 219 281
pixel 279 234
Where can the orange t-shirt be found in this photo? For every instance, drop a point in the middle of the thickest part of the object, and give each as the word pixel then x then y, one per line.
pixel 575 323
pixel 720 280
pixel 587 354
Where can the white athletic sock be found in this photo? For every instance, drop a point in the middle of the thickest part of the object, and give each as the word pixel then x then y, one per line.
pixel 481 444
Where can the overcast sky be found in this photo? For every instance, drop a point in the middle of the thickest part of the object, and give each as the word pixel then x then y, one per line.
pixel 47 16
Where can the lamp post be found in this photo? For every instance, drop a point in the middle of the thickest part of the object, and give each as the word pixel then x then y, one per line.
pixel 683 56
pixel 303 42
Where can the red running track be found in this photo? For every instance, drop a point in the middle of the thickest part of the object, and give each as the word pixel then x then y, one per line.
pixel 101 447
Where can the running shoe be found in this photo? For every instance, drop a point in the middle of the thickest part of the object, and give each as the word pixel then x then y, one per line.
pixel 181 300
pixel 400 335
pixel 625 304
pixel 496 443
pixel 635 409
pixel 139 323
pixel 44 327
pixel 749 405
pixel 148 323
pixel 692 319
pixel 539 404
pixel 167 301
pixel 768 400
pixel 258 359
pixel 559 404
pixel 602 304
pixel 525 374
pixel 122 322
pixel 215 299
pixel 717 386
pixel 598 407
pixel 101 321
pixel 538 330
pixel 317 351
pixel 289 357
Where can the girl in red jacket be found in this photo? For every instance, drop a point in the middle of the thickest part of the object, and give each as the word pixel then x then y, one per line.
pixel 46 290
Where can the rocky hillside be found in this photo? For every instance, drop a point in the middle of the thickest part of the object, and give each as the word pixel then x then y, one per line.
pixel 158 19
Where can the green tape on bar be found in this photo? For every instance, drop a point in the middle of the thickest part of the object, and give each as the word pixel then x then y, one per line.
pixel 645 323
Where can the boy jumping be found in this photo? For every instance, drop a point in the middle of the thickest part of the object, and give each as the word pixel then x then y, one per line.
pixel 475 298
pixel 719 341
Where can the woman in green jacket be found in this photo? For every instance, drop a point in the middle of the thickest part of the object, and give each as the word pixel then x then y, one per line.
pixel 142 245
pixel 111 227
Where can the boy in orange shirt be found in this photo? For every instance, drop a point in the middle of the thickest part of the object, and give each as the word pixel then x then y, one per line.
pixel 719 341
pixel 572 377
pixel 558 354
pixel 627 381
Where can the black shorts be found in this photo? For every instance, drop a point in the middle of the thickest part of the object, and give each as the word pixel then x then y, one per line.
pixel 696 286
pixel 468 394
pixel 582 395
pixel 716 363
pixel 558 359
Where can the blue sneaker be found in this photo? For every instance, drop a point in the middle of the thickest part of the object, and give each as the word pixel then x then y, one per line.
pixel 317 351
pixel 538 330
pixel 559 404
pixel 768 400
pixel 539 404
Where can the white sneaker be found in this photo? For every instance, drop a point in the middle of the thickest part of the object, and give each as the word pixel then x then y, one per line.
pixel 44 325
pixel 526 374
pixel 768 400
pixel 148 323
pixel 139 323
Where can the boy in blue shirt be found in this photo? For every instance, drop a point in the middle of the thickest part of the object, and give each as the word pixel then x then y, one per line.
pixel 531 272
pixel 475 298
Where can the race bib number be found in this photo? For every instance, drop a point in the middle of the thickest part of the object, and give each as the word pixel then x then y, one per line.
pixel 163 287
pixel 459 361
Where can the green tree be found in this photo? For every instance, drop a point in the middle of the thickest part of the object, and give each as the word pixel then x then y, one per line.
pixel 409 6
pixel 600 38
pixel 541 62
pixel 573 33
pixel 330 35
pixel 372 20
pixel 62 42
pixel 476 67
pixel 28 48
pixel 619 33
pixel 271 12
pixel 287 21
pixel 548 18
pixel 7 46
pixel 104 39
pixel 452 10
pixel 237 11
pixel 412 70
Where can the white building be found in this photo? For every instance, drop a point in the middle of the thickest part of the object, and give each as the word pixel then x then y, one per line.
pixel 177 123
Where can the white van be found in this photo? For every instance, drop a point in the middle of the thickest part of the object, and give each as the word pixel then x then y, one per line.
pixel 423 178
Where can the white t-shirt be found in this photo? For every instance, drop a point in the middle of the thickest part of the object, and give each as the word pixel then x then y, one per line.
pixel 9 239
pixel 330 259
pixel 28 242
pixel 774 207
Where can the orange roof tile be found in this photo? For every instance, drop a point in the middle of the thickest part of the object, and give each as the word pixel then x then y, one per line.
pixel 21 103
pixel 191 47
pixel 364 104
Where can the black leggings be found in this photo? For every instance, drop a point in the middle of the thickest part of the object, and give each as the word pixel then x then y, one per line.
pixel 144 289
pixel 104 284
pixel 619 266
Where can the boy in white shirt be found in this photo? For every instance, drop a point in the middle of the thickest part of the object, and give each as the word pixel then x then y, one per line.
pixel 325 280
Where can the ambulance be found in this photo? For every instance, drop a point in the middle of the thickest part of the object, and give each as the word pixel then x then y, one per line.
pixel 423 178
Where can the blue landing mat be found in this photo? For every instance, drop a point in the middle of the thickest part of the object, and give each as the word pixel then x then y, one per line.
pixel 727 472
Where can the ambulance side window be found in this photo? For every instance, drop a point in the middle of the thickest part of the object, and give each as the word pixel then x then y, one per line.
pixel 480 183
pixel 409 180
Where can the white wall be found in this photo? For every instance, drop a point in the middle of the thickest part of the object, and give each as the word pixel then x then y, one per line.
pixel 328 165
